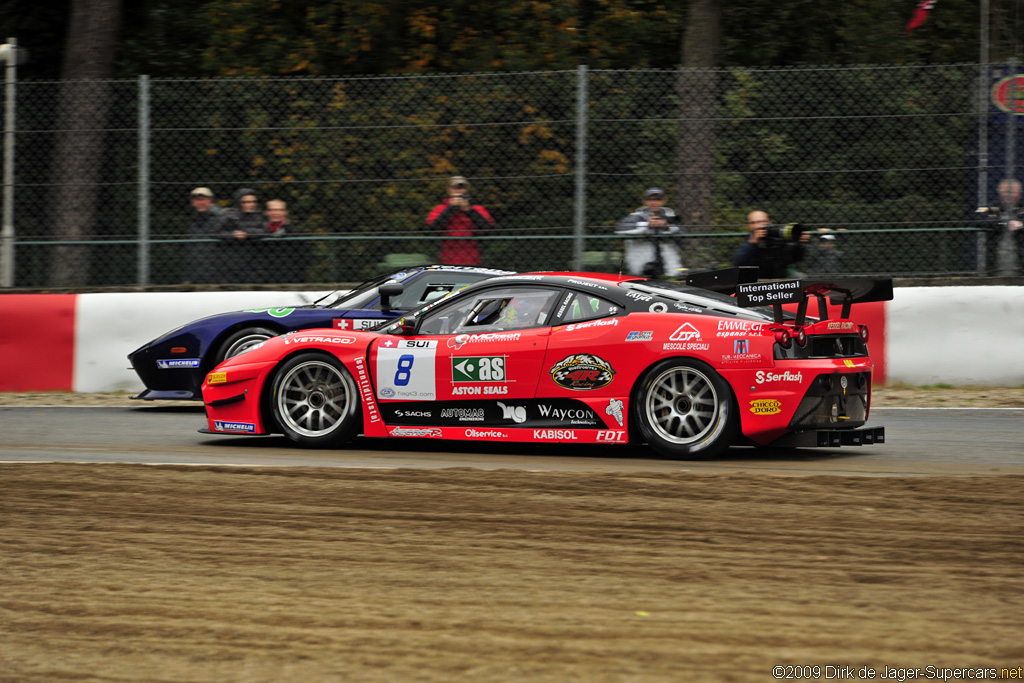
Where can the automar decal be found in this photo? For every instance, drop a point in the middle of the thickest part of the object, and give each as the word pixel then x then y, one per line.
pixel 765 406
pixel 405 369
pixel 582 372
pixel 273 312
pixel 173 363
pixel 464 414
pixel 615 410
pixel 478 369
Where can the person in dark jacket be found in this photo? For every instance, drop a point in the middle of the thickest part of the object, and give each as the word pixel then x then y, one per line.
pixel 657 255
pixel 773 255
pixel 203 224
pixel 241 228
pixel 457 216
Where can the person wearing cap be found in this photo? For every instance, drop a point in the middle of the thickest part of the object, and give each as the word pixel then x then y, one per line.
pixel 204 219
pixel 657 255
pixel 829 257
pixel 458 217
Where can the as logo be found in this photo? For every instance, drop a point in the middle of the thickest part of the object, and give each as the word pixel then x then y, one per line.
pixel 582 372
pixel 478 369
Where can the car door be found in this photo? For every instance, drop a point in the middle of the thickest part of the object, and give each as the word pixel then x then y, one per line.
pixel 473 363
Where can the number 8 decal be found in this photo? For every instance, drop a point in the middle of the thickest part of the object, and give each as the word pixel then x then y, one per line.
pixel 404 373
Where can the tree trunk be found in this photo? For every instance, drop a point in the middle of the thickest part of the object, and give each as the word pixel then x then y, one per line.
pixel 697 89
pixel 82 114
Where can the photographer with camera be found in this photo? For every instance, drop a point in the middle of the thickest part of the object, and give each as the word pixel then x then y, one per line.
pixel 459 217
pixel 772 248
pixel 1004 231
pixel 658 255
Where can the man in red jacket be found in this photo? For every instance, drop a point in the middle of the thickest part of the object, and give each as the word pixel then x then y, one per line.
pixel 458 217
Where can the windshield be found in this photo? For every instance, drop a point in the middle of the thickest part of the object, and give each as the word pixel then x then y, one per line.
pixel 362 294
pixel 709 300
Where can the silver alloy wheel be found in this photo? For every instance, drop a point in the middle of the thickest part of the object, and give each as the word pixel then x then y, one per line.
pixel 245 343
pixel 314 398
pixel 682 405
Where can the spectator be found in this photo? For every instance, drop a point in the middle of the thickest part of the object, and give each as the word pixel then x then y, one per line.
pixel 1004 242
pixel 769 247
pixel 457 216
pixel 204 219
pixel 829 257
pixel 240 230
pixel 657 255
pixel 277 218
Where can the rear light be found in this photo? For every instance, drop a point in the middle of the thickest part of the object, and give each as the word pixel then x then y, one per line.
pixel 782 338
pixel 801 337
pixel 864 333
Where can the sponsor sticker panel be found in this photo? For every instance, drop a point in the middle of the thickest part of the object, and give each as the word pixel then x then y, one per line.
pixel 406 369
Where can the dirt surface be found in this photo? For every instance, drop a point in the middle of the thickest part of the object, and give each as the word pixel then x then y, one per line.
pixel 160 573
pixel 896 396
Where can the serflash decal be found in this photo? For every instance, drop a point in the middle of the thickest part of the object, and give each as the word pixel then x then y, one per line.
pixel 762 376
pixel 603 322
pixel 582 372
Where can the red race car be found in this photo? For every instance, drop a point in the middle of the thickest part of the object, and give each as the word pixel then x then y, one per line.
pixel 688 369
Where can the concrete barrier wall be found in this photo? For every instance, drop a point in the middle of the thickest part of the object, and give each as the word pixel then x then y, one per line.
pixel 55 342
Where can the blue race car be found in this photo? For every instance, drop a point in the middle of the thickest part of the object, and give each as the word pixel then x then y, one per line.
pixel 173 366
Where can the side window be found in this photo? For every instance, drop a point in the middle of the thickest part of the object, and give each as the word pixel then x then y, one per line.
pixel 585 306
pixel 492 311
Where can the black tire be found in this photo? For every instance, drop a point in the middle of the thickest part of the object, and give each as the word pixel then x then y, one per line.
pixel 241 340
pixel 315 401
pixel 685 410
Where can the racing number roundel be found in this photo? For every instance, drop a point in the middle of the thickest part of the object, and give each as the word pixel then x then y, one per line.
pixel 405 370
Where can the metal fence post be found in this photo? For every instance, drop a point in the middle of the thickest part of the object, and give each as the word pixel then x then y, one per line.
pixel 581 166
pixel 7 238
pixel 143 276
pixel 983 107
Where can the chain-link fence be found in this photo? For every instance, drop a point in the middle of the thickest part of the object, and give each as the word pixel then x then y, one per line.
pixel 893 161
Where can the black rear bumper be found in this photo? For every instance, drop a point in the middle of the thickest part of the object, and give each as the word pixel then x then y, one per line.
pixel 832 438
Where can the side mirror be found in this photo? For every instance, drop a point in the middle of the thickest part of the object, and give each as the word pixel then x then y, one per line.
pixel 409 323
pixel 388 290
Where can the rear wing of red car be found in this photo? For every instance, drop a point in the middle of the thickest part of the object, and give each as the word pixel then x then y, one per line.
pixel 845 291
